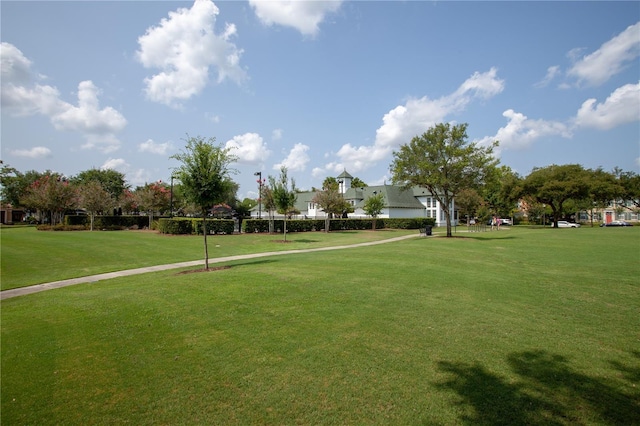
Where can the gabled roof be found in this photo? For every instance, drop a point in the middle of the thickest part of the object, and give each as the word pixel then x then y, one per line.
pixel 394 196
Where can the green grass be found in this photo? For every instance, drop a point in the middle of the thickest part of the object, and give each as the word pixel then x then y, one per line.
pixel 33 257
pixel 516 327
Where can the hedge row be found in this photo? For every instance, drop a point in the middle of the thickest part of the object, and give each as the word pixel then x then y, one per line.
pixel 186 225
pixel 109 222
pixel 262 225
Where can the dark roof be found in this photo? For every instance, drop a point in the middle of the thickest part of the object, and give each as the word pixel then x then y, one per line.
pixel 394 196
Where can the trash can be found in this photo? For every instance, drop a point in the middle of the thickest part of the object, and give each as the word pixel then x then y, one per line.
pixel 427 230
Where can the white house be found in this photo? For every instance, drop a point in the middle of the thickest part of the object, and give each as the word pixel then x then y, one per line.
pixel 398 203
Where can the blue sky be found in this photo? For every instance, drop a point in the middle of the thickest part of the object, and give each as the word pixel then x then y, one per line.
pixel 316 86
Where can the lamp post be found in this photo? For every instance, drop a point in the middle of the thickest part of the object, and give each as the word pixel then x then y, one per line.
pixel 171 198
pixel 259 174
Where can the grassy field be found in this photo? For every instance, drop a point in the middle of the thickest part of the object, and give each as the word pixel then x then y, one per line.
pixel 33 257
pixel 522 326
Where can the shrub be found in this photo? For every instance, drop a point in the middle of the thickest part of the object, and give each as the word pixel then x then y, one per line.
pixel 176 226
pixel 262 225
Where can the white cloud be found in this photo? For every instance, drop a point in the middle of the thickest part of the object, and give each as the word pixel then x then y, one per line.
pixel 249 148
pixel 15 67
pixel 184 47
pixel 304 16
pixel 552 72
pixel 414 117
pixel 276 134
pixel 621 107
pixel 35 152
pixel 155 148
pixel 118 164
pixel 297 159
pixel 521 131
pixel 87 117
pixel 610 59
pixel 20 97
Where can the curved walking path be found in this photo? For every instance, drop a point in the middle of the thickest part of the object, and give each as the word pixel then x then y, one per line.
pixel 6 294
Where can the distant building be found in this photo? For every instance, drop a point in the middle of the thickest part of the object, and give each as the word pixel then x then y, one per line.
pixel 398 203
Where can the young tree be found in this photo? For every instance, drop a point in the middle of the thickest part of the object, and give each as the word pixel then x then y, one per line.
pixel 554 185
pixel 204 175
pixel 332 202
pixel 94 199
pixel 284 196
pixel 444 162
pixel 373 207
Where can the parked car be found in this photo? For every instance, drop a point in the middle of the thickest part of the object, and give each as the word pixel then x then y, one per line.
pixel 506 222
pixel 565 224
pixel 617 223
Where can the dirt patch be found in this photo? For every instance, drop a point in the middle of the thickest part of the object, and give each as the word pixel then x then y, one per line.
pixel 193 271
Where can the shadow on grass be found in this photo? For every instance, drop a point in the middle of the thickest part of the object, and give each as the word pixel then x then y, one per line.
pixel 303 240
pixel 547 391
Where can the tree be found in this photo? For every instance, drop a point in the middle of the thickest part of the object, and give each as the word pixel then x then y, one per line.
pixel 554 185
pixel 284 196
pixel 330 183
pixel 204 176
pixel 52 195
pixel 153 197
pixel 94 198
pixel 112 181
pixel 15 184
pixel 501 191
pixel 444 162
pixel 373 207
pixel 630 183
pixel 332 203
pixel 243 209
pixel 356 182
pixel 468 202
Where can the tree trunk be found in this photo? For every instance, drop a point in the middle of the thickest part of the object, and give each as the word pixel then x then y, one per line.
pixel 285 228
pixel 92 216
pixel 206 248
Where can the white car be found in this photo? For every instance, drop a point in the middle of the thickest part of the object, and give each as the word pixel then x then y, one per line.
pixel 565 224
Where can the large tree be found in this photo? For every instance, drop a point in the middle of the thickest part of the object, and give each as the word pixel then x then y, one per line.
pixel 554 185
pixel 205 177
pixel 51 195
pixel 111 180
pixel 284 195
pixel 444 162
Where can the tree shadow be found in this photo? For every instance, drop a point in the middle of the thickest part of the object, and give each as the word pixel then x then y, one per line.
pixel 547 391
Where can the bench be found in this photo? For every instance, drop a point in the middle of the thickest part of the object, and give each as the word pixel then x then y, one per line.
pixel 425 231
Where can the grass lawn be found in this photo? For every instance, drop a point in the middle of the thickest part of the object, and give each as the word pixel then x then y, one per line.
pixel 522 326
pixel 33 257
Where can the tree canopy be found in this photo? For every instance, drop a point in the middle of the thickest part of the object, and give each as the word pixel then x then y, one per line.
pixel 554 185
pixel 284 195
pixel 444 162
pixel 205 176
pixel 373 207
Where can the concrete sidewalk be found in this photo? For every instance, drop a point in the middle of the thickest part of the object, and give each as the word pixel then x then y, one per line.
pixel 109 275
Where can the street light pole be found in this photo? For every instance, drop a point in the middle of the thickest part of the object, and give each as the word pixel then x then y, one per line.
pixel 171 198
pixel 259 174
